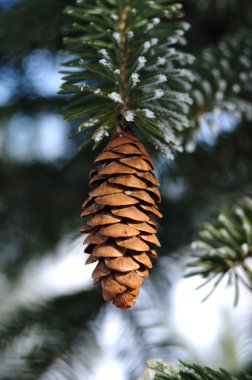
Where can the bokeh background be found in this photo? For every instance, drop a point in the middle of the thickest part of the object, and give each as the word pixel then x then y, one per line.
pixel 53 324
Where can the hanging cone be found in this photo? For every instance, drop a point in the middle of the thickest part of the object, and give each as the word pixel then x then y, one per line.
pixel 120 232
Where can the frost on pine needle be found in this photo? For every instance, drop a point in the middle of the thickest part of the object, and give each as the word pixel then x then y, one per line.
pixel 116 97
pixel 149 114
pixel 104 53
pixel 161 61
pixel 161 78
pixel 198 96
pixel 163 148
pixel 104 62
pixel 114 16
pixel 222 84
pixel 149 374
pixel 152 24
pixel 88 124
pixel 98 91
pixel 141 62
pixel 82 86
pixel 102 132
pixel 130 35
pixel 180 121
pixel 168 135
pixel 154 41
pixel 179 97
pixel 171 369
pixel 171 40
pixel 245 248
pixel 185 25
pixel 135 79
pixel 184 73
pixel 158 94
pixel 156 20
pixel 129 116
pixel 147 46
pixel 185 58
pixel 117 37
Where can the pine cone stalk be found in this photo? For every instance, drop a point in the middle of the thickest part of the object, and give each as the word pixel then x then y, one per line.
pixel 122 202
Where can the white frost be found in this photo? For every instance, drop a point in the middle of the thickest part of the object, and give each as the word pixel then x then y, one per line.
pixel 162 78
pixel 156 20
pixel 117 37
pixel 163 148
pixel 149 374
pixel 104 53
pixel 135 79
pixel 158 93
pixel 102 133
pixel 129 116
pixel 161 61
pixel 104 62
pixel 130 34
pixel 116 97
pixel 154 41
pixel 147 46
pixel 141 62
pixel 149 114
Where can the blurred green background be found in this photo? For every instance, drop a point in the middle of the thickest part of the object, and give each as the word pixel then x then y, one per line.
pixel 53 324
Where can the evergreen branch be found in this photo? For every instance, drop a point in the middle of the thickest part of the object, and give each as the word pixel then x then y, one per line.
pixel 37 25
pixel 36 337
pixel 126 63
pixel 225 248
pixel 159 370
pixel 222 82
pixel 240 8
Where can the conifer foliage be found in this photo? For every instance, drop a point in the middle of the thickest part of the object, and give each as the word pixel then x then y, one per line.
pixel 222 81
pixel 224 248
pixel 127 66
pixel 126 77
pixel 160 370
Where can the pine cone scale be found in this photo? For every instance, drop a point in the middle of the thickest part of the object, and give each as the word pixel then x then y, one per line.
pixel 130 279
pixel 131 213
pixel 129 181
pixel 122 264
pixel 119 230
pixel 118 199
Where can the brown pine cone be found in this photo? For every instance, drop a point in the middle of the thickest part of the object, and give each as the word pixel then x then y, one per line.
pixel 121 204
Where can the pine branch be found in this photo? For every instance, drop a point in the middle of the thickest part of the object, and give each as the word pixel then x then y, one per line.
pixel 37 25
pixel 159 370
pixel 220 7
pixel 222 82
pixel 225 247
pixel 34 338
pixel 126 71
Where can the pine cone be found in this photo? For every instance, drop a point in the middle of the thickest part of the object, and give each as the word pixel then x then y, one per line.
pixel 121 204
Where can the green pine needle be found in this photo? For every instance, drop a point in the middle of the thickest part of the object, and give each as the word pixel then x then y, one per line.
pixel 126 63
pixel 224 248
pixel 222 83
pixel 159 370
